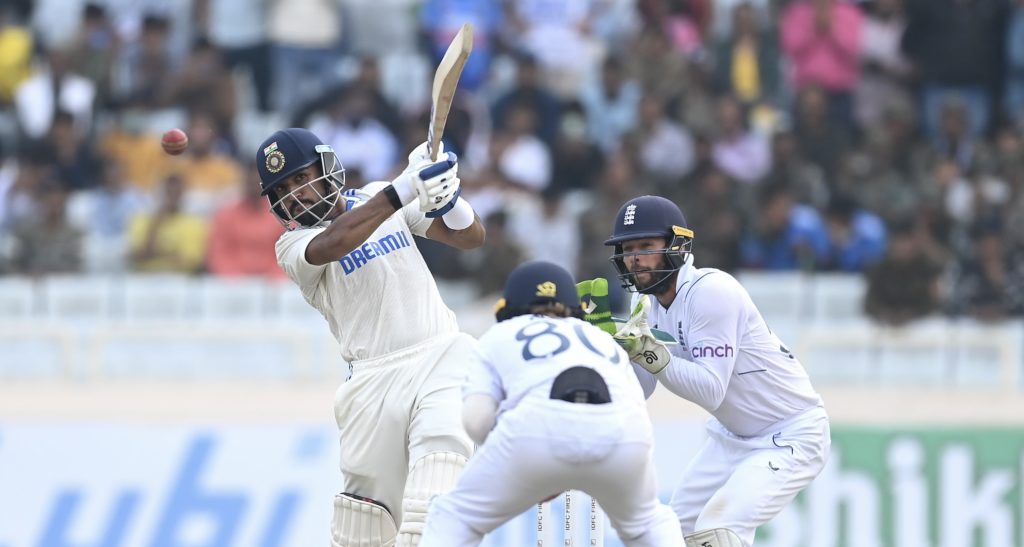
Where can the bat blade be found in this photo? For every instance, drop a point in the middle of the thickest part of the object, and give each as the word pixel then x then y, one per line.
pixel 446 79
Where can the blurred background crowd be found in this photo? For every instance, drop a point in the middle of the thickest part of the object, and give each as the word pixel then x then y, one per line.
pixel 881 138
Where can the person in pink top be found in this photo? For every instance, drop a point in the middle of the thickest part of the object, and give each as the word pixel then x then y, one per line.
pixel 821 39
pixel 243 235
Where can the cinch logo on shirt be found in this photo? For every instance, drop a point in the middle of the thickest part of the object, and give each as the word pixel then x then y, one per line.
pixel 372 249
pixel 711 351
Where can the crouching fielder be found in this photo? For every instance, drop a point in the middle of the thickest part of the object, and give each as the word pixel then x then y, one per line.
pixel 572 417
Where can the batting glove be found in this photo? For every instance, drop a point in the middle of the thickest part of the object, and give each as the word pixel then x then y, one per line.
pixel 420 157
pixel 637 339
pixel 438 185
pixel 433 185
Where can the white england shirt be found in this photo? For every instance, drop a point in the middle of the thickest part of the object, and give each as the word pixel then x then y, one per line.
pixel 380 297
pixel 519 358
pixel 728 360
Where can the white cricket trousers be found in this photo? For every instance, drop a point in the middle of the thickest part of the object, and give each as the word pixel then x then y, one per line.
pixel 397 408
pixel 543 447
pixel 740 483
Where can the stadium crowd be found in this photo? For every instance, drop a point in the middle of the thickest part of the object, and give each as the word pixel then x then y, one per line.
pixel 881 137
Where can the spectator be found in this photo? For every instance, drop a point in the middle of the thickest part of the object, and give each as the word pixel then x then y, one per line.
pixel 577 161
pixel 20 179
pixel 239 29
pixel 789 168
pixel 904 286
pixel 496 259
pixel 784 235
pixel 243 234
pixel 664 73
pixel 168 240
pixel 205 83
pixel 360 140
pixel 103 214
pixel 367 80
pixel 537 24
pixel 307 39
pixel 714 216
pixel 821 39
pixel 208 169
pixel 739 152
pixel 820 140
pixel 95 48
pixel 534 219
pixel 76 164
pixel 1015 64
pixel 145 71
pixel 46 243
pixel 611 105
pixel 957 49
pixel 885 70
pixel 525 160
pixel 529 92
pixel 675 21
pixel 664 147
pixel 747 61
pixel 722 12
pixel 698 108
pixel 990 281
pixel 876 182
pixel 16 46
pixel 954 139
pixel 442 19
pixel 128 142
pixel 55 88
pixel 856 236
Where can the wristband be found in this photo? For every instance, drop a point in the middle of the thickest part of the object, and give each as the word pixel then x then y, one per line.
pixel 392 196
pixel 460 217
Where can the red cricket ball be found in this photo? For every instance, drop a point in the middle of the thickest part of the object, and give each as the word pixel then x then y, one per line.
pixel 174 141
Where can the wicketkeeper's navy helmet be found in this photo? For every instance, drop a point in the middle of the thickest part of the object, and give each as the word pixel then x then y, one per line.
pixel 537 283
pixel 647 217
pixel 287 152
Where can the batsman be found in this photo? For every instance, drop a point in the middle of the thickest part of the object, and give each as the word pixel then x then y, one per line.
pixel 352 254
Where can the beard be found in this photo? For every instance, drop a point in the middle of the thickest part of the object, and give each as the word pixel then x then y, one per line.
pixel 313 215
pixel 657 278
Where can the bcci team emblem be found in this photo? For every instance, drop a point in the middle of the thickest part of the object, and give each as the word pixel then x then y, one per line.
pixel 275 161
pixel 629 217
pixel 546 289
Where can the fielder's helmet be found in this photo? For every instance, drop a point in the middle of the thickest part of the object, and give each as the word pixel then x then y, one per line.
pixel 537 283
pixel 287 152
pixel 646 217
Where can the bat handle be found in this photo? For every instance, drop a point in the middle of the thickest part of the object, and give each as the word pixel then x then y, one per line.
pixel 439 167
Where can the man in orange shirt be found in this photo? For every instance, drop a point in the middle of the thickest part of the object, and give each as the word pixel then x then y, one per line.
pixel 243 235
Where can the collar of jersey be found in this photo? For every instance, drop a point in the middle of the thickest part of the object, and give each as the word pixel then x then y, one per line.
pixel 686 273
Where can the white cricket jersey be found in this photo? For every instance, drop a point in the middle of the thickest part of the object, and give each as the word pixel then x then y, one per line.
pixel 728 361
pixel 380 297
pixel 519 359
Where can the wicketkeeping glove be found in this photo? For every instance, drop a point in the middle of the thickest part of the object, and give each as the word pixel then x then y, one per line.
pixel 597 311
pixel 638 341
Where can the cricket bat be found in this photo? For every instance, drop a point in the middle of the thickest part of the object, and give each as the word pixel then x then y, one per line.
pixel 446 78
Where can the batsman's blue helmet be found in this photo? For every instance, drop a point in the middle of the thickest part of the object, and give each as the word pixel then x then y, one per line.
pixel 284 154
pixel 537 283
pixel 649 217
